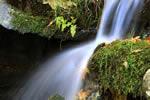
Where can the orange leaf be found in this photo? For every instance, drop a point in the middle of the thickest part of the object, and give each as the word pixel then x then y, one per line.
pixel 82 95
pixel 135 39
pixel 148 38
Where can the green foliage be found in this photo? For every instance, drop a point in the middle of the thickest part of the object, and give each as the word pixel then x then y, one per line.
pixel 87 13
pixel 108 65
pixel 26 23
pixel 86 16
pixel 73 30
pixel 62 24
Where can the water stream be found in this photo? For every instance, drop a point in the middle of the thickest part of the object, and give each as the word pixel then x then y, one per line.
pixel 62 74
pixel 5 17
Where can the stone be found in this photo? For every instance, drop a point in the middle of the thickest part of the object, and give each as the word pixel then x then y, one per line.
pixel 146 83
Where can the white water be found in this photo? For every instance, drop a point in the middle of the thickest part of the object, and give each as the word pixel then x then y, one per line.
pixel 5 17
pixel 62 74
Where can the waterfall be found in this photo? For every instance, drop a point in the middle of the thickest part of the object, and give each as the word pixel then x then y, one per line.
pixel 5 17
pixel 62 74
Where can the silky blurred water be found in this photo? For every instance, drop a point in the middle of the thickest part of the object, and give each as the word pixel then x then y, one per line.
pixel 62 74
pixel 5 17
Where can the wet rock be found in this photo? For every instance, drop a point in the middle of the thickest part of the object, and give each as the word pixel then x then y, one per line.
pixel 33 6
pixel 89 90
pixel 109 71
pixel 146 83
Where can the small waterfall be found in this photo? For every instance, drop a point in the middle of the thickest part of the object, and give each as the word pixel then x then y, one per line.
pixel 62 74
pixel 5 17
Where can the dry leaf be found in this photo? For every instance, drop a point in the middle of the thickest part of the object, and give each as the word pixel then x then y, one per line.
pixel 148 38
pixel 82 95
pixel 51 23
pixel 125 64
pixel 137 37
pixel 135 51
pixel 107 43
pixel 133 40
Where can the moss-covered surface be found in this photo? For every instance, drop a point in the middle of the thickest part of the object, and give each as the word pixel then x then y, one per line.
pixel 121 65
pixel 26 23
pixel 86 13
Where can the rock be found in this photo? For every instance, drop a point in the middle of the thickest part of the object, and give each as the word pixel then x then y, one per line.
pixel 146 83
pixel 62 3
pixel 56 97
pixel 107 67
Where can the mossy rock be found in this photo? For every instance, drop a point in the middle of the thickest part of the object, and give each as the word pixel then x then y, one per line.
pixel 27 23
pixel 44 26
pixel 56 97
pixel 42 19
pixel 121 65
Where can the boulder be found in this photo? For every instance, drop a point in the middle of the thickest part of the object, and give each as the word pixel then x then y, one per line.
pixel 146 83
pixel 119 67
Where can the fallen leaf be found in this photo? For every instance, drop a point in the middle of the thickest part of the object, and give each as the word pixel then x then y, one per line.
pixel 135 39
pixel 82 95
pixel 135 51
pixel 107 43
pixel 51 23
pixel 125 64
pixel 148 38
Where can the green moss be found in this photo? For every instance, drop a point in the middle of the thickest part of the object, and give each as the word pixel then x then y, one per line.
pixel 26 23
pixel 37 22
pixel 109 70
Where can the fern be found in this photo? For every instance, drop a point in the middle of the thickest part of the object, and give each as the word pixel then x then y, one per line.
pixel 62 24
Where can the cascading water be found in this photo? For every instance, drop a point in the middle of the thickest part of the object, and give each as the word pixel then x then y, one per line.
pixel 5 17
pixel 62 74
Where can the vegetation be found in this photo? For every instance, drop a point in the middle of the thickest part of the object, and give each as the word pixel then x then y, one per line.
pixel 26 23
pixel 121 65
pixel 62 19
pixel 62 24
